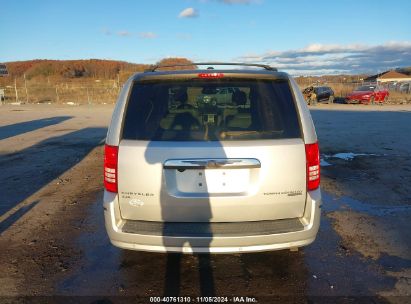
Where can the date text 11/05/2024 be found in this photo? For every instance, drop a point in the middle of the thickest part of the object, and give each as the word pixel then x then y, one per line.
pixel 203 300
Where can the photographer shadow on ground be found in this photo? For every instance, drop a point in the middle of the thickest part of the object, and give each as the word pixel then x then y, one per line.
pixel 185 198
pixel 185 209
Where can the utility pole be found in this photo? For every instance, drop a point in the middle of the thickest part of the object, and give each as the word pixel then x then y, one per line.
pixel 57 95
pixel 118 81
pixel 15 89
pixel 25 86
pixel 88 97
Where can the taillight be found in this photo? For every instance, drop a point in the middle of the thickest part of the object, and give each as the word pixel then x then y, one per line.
pixel 110 168
pixel 211 75
pixel 312 153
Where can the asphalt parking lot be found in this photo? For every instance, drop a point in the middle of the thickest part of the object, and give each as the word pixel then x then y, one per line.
pixel 53 240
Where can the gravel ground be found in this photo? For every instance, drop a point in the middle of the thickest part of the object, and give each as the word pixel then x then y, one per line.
pixel 53 239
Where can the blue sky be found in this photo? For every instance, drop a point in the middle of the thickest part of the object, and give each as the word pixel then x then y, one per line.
pixel 302 37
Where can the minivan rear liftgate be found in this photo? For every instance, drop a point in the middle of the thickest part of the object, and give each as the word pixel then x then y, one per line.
pixel 236 181
pixel 188 156
pixel 215 161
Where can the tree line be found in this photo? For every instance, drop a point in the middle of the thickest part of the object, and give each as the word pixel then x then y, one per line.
pixel 93 68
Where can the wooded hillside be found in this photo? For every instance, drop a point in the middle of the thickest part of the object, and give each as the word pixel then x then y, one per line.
pixel 74 81
pixel 93 68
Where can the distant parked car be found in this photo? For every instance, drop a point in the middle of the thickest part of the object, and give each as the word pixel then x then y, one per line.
pixel 405 87
pixel 314 94
pixel 218 95
pixel 368 94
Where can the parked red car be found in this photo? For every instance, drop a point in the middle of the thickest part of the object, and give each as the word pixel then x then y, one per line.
pixel 368 94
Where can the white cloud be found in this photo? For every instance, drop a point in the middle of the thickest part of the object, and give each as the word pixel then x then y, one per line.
pixel 124 33
pixel 188 13
pixel 319 59
pixel 147 35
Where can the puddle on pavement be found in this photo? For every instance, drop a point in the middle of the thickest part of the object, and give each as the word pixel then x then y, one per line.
pixel 348 155
pixel 393 263
pixel 324 163
pixel 326 159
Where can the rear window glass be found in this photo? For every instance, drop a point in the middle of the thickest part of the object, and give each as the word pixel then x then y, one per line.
pixel 210 110
pixel 366 88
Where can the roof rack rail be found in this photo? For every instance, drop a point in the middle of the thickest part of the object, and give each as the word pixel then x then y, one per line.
pixel 264 66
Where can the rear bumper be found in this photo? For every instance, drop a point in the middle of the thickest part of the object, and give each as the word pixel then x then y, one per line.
pixel 356 100
pixel 359 100
pixel 212 243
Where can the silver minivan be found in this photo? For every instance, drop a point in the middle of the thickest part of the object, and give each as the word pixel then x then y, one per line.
pixel 185 171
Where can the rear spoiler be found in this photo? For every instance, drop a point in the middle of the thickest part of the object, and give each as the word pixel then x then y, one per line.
pixel 210 64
